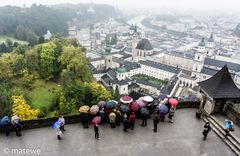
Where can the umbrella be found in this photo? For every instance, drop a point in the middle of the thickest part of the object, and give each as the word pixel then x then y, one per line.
pixel 94 109
pixel 173 102
pixel 124 108
pixel 140 102
pixel 111 104
pixel 163 109
pixel 126 99
pixel 112 116
pixel 15 119
pixel 56 124
pixel 4 121
pixel 101 104
pixel 84 109
pixel 147 99
pixel 144 111
pixel 96 120
pixel 162 96
pixel 134 106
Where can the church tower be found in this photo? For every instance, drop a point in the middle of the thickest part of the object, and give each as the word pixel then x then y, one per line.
pixel 210 46
pixel 134 43
pixel 199 58
pixel 108 56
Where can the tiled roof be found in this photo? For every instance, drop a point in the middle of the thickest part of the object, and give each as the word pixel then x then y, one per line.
pixel 144 44
pixel 160 66
pixel 220 85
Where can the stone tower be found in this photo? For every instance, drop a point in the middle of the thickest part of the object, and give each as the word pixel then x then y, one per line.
pixel 108 56
pixel 134 43
pixel 199 58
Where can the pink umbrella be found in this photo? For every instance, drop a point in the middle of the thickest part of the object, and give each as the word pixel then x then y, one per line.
pixel 96 120
pixel 134 106
pixel 126 99
pixel 140 102
pixel 173 102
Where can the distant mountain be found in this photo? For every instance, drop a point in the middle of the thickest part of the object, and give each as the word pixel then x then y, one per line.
pixel 37 19
pixel 237 30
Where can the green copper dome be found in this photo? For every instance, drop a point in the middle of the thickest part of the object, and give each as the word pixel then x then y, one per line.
pixel 202 43
pixel 108 49
pixel 211 38
pixel 121 70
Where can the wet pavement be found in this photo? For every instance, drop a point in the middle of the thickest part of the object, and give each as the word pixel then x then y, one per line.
pixel 182 138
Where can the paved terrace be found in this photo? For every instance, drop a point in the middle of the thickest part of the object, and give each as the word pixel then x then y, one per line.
pixel 182 138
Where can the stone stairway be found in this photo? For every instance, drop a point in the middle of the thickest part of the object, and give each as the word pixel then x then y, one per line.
pixel 232 141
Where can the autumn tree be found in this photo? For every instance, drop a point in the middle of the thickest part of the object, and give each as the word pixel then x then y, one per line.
pixel 22 109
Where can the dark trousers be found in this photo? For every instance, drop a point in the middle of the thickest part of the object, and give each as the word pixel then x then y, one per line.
pixel 144 121
pixel 62 128
pixel 18 131
pixel 117 121
pixel 96 135
pixel 155 124
pixel 132 124
pixel 226 132
pixel 113 125
pixel 85 124
pixel 7 131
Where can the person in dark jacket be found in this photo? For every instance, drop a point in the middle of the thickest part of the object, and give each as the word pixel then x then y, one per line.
pixel 125 123
pixel 96 130
pixel 85 120
pixel 206 129
pixel 155 121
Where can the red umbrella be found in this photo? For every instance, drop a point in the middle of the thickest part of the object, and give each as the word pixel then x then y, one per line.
pixel 134 106
pixel 96 120
pixel 126 99
pixel 173 102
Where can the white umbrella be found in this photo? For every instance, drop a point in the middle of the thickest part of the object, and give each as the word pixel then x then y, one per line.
pixel 15 119
pixel 94 109
pixel 147 99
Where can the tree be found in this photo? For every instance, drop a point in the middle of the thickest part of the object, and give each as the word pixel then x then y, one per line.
pixel 67 78
pixel 67 105
pixel 48 60
pixel 5 68
pixel 32 60
pixel 117 94
pixel 3 47
pixel 17 63
pixel 41 40
pixel 114 39
pixel 74 60
pixel 15 44
pixel 9 45
pixel 22 109
pixel 20 49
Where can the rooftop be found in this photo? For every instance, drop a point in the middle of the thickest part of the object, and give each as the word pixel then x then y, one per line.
pixel 144 44
pixel 160 66
pixel 220 85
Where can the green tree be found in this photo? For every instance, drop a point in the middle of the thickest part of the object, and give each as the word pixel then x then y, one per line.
pixel 74 60
pixel 15 44
pixel 3 47
pixel 32 60
pixel 114 39
pixel 116 94
pixel 20 49
pixel 41 40
pixel 67 105
pixel 9 45
pixel 48 59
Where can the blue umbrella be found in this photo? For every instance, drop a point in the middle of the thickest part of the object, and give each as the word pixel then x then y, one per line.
pixel 163 109
pixel 111 104
pixel 4 121
pixel 56 124
pixel 144 111
pixel 162 96
pixel 124 108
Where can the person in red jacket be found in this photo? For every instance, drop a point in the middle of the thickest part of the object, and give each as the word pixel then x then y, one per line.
pixel 132 120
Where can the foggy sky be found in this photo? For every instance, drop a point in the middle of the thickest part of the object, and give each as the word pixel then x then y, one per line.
pixel 146 4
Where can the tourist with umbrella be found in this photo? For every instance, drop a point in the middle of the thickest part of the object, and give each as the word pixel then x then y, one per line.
pixel 163 109
pixel 96 120
pixel 16 124
pixel 149 100
pixel 62 121
pixel 112 120
pixel 126 99
pixel 5 123
pixel 94 109
pixel 56 126
pixel 145 114
pixel 102 115
pixel 173 102
pixel 171 114
pixel 84 115
pixel 125 122
pixel 101 104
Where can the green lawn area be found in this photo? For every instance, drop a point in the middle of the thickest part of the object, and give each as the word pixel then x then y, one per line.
pixel 43 93
pixel 149 79
pixel 3 39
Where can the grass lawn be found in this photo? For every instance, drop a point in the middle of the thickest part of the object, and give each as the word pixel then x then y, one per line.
pixel 43 93
pixel 149 79
pixel 3 39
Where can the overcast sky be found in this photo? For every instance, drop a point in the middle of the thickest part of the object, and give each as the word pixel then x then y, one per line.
pixel 148 4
